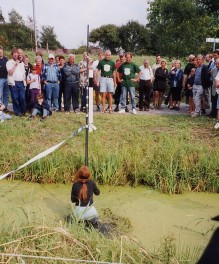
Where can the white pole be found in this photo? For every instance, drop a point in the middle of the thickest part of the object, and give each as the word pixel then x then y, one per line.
pixel 34 19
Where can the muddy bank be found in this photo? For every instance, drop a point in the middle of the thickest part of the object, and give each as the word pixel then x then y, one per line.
pixel 153 216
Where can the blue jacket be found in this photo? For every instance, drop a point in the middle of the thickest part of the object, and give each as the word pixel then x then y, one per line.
pixel 175 80
pixel 71 72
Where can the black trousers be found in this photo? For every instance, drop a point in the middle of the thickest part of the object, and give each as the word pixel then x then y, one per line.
pixel 71 93
pixel 214 105
pixel 117 94
pixel 61 93
pixel 144 93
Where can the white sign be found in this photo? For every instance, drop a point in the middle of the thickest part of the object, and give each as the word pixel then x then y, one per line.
pixel 212 40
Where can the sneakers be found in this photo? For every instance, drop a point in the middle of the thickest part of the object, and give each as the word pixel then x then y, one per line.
pixel 67 112
pixel 217 125
pixel 122 111
pixel 76 111
pixel 126 109
pixel 116 109
pixel 134 111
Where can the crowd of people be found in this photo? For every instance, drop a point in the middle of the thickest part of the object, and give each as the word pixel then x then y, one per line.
pixel 56 85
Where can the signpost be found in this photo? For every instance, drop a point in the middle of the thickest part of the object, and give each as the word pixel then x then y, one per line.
pixel 213 40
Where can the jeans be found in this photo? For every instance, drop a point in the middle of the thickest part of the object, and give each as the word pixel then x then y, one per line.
pixel 197 94
pixel 52 94
pixel 4 91
pixel 38 112
pixel 131 91
pixel 71 93
pixel 18 98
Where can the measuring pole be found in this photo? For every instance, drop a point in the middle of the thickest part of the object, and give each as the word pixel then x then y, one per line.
pixel 87 102
pixel 34 19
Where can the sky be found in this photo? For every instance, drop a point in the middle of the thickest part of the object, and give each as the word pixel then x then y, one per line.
pixel 70 18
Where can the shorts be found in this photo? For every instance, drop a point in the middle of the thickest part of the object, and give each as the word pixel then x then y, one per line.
pixel 106 85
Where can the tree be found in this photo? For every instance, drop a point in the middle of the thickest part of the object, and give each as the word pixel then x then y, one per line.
pixel 179 27
pixel 107 36
pixel 212 6
pixel 134 37
pixel 2 19
pixel 48 37
pixel 15 17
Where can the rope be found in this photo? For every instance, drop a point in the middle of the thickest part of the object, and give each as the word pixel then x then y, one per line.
pixel 43 154
pixel 57 258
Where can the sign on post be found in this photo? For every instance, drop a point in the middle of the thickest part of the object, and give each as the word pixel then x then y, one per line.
pixel 213 40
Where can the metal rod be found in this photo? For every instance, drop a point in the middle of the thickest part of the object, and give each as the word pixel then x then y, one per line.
pixel 34 19
pixel 87 102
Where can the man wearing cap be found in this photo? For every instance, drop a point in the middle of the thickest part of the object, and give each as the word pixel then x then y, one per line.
pixel 17 82
pixel 51 76
pixel 106 68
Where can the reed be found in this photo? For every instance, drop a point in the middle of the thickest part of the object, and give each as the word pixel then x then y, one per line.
pixel 171 153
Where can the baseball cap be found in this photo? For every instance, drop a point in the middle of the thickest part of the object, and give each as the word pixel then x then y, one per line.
pixel 51 56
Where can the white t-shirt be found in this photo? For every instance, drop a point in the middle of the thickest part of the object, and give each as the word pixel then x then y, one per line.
pixel 147 73
pixel 36 84
pixel 19 73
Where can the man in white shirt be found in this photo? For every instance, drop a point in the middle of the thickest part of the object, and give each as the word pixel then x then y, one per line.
pixel 16 82
pixel 145 85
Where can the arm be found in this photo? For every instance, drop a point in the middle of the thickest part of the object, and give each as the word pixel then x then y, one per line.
pixel 74 198
pixel 98 76
pixel 96 190
pixel 114 78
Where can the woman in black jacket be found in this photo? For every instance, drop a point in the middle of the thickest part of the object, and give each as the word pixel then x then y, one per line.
pixel 161 75
pixel 82 195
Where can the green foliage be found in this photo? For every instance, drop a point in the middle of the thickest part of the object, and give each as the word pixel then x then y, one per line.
pixel 180 27
pixel 212 6
pixel 107 36
pixel 80 50
pixel 15 17
pixel 134 37
pixel 49 37
pixel 2 19
pixel 16 35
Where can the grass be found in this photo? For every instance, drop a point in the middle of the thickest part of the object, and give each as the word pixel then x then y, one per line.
pixel 73 241
pixel 171 153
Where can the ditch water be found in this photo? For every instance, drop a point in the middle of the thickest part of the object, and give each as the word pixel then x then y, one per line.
pixel 185 218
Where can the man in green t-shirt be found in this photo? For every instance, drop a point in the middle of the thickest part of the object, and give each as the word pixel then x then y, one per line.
pixel 106 68
pixel 128 74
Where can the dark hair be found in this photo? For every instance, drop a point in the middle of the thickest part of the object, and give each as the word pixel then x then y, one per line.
pixel 61 57
pixel 128 53
pixel 216 51
pixel 82 175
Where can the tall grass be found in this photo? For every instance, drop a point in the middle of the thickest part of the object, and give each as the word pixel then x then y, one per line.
pixel 170 153
pixel 73 241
